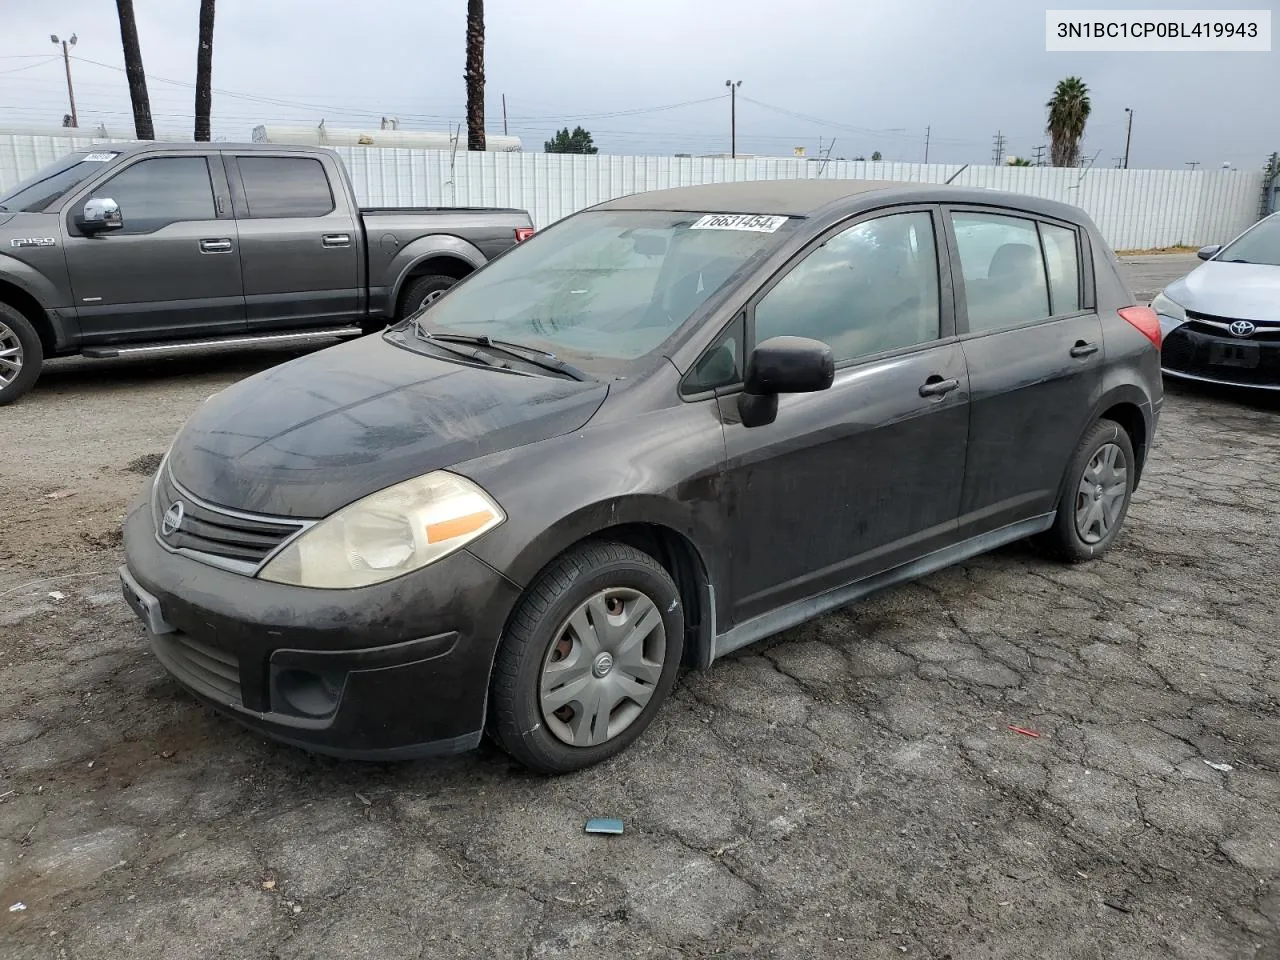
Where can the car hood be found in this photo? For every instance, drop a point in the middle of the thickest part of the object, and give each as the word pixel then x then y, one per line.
pixel 1240 291
pixel 309 436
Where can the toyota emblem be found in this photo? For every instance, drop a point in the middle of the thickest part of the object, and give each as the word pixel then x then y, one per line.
pixel 172 519
pixel 1241 328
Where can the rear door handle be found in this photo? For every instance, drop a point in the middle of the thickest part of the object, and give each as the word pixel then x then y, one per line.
pixel 1084 349
pixel 935 386
pixel 222 245
pixel 336 240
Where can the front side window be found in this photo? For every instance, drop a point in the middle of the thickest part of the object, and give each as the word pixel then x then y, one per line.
pixel 1004 277
pixel 868 289
pixel 39 193
pixel 285 187
pixel 155 193
pixel 604 287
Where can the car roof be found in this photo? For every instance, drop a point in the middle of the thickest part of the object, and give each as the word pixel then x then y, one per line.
pixel 807 198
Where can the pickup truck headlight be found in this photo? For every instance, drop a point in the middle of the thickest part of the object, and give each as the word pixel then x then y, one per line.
pixel 387 534
pixel 1171 314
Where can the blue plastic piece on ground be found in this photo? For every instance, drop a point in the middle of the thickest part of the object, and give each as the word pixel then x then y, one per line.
pixel 604 825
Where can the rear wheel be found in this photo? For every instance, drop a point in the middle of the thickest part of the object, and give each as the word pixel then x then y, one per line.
pixel 21 354
pixel 1095 497
pixel 591 653
pixel 424 291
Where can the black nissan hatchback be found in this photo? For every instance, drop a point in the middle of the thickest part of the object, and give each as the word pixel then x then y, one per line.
pixel 663 428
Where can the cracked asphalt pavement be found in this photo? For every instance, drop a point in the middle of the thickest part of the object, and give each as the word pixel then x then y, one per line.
pixel 852 788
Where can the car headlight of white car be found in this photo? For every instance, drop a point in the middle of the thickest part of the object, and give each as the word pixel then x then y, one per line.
pixel 387 534
pixel 1172 315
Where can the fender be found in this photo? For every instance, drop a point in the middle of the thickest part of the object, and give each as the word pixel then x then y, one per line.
pixel 417 252
pixel 32 282
pixel 1113 393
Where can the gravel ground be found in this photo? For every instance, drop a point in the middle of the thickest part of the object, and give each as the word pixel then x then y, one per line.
pixel 851 788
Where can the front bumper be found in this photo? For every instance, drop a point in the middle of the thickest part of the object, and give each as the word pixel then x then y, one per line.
pixel 1194 354
pixel 393 671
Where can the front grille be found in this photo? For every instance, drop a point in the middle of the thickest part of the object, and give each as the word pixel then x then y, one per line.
pixel 221 537
pixel 1186 350
pixel 1215 326
pixel 212 672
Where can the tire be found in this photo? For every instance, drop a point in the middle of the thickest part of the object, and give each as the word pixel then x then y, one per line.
pixel 566 602
pixel 19 343
pixel 422 289
pixel 1085 529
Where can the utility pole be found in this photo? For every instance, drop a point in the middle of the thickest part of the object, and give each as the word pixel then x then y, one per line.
pixel 1193 164
pixel 1039 159
pixel 998 152
pixel 733 86
pixel 1118 160
pixel 504 114
pixel 926 144
pixel 66 60
pixel 1127 135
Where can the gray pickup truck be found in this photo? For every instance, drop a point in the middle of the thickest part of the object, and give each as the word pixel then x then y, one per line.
pixel 157 247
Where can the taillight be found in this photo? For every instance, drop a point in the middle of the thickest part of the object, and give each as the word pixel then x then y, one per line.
pixel 1146 320
pixel 523 233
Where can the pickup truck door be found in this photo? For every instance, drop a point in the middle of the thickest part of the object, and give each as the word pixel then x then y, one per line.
pixel 172 270
pixel 299 241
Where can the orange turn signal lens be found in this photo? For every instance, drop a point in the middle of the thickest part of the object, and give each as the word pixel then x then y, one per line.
pixel 457 526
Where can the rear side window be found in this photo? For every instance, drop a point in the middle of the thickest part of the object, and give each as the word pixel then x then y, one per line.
pixel 1003 270
pixel 285 187
pixel 1064 268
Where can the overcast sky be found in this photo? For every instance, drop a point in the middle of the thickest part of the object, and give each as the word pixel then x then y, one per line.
pixel 872 76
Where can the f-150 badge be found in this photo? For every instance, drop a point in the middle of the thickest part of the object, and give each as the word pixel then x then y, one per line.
pixel 34 242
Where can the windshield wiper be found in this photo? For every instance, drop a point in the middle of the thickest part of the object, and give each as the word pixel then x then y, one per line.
pixel 475 356
pixel 539 358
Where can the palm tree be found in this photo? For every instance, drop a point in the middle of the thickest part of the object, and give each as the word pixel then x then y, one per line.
pixel 204 70
pixel 475 74
pixel 142 126
pixel 1068 111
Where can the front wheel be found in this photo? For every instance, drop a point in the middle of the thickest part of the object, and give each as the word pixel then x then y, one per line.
pixel 424 291
pixel 1095 497
pixel 21 354
pixel 590 655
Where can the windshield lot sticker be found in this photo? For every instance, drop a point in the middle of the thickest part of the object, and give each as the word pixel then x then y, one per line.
pixel 739 221
pixel 34 242
pixel 99 157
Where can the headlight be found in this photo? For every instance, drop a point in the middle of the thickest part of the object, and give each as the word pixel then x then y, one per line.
pixel 387 534
pixel 1171 314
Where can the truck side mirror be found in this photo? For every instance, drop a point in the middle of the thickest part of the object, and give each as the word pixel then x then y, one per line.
pixel 101 214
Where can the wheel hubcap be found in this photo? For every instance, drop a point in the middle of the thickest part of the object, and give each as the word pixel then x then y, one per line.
pixel 603 666
pixel 1101 494
pixel 10 355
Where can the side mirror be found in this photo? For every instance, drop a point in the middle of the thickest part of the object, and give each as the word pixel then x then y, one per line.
pixel 783 365
pixel 1204 253
pixel 101 214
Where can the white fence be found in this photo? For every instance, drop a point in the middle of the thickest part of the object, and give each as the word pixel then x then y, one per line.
pixel 1134 209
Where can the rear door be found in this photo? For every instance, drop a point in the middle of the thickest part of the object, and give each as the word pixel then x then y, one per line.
pixel 1033 342
pixel 867 474
pixel 299 246
pixel 172 270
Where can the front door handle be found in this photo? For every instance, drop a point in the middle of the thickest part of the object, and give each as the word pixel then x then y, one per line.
pixel 336 240
pixel 221 245
pixel 935 386
pixel 1084 349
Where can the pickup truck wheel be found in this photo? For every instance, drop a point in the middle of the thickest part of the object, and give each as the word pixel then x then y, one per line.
pixel 21 354
pixel 423 291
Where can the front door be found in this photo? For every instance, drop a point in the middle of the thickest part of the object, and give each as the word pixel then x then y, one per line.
pixel 299 243
pixel 867 474
pixel 173 270
pixel 1034 350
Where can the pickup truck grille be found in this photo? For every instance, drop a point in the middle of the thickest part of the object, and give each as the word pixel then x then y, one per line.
pixel 224 538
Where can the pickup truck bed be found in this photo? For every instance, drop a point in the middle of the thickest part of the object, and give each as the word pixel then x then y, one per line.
pixel 158 247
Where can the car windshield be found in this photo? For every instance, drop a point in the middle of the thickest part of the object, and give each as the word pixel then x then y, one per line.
pixel 603 288
pixel 1259 245
pixel 52 183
